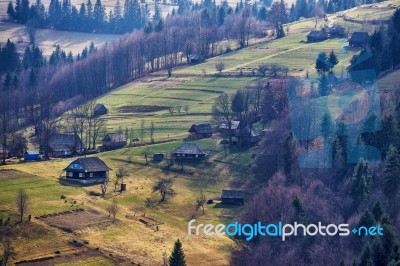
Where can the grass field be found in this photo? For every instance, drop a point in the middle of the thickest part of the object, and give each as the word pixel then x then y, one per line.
pixel 147 99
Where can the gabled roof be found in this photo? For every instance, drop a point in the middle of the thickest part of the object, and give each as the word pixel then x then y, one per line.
pixel 201 128
pixel 33 152
pixel 189 148
pixel 359 36
pixel 247 132
pixel 234 125
pixel 88 164
pixel 232 194
pixel 100 107
pixel 115 137
pixel 64 141
pixel 319 34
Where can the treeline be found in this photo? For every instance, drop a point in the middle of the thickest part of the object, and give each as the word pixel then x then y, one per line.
pixel 383 51
pixel 135 14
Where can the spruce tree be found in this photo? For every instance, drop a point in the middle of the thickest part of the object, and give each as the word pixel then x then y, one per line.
pixel 361 182
pixel 333 60
pixel 391 172
pixel 290 154
pixel 177 257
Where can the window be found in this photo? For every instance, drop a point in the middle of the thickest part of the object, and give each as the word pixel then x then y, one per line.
pixel 91 174
pixel 81 175
pixel 70 174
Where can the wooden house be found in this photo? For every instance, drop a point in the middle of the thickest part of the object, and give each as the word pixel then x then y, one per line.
pixel 31 155
pixel 232 197
pixel 189 151
pixel 64 145
pixel 100 109
pixel 88 170
pixel 317 36
pixel 359 39
pixel 114 141
pixel 247 135
pixel 226 131
pixel 199 131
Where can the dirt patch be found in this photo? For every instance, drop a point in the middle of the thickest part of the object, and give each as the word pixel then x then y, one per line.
pixel 72 220
pixel 9 174
pixel 142 108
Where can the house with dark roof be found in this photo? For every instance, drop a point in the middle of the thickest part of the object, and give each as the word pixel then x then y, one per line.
pixel 199 131
pixel 189 151
pixel 64 145
pixel 337 31
pixel 31 155
pixel 88 170
pixel 113 141
pixel 197 59
pixel 247 135
pixel 317 36
pixel 232 197
pixel 359 39
pixel 100 109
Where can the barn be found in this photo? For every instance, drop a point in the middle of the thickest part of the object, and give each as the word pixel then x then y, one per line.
pixel 199 131
pixel 114 141
pixel 317 36
pixel 197 59
pixel 359 39
pixel 87 170
pixel 232 197
pixel 100 109
pixel 189 151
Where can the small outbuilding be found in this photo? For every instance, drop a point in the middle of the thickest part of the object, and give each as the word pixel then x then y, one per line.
pixel 100 109
pixel 158 157
pixel 31 155
pixel 114 141
pixel 88 170
pixel 199 131
pixel 232 197
pixel 359 39
pixel 197 59
pixel 317 36
pixel 189 151
pixel 226 131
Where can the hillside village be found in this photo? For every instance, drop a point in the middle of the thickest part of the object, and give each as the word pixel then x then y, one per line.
pixel 114 179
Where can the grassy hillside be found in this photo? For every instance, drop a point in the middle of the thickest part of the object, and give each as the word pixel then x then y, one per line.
pixel 147 99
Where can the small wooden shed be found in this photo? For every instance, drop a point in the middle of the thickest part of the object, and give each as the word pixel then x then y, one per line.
pixel 232 197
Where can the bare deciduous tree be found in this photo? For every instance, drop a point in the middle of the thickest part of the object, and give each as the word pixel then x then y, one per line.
pixel 22 203
pixel 220 67
pixel 103 188
pixel 222 113
pixel 113 209
pixel 8 252
pixel 164 187
pixel 200 201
